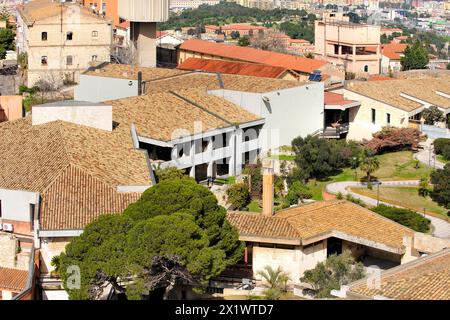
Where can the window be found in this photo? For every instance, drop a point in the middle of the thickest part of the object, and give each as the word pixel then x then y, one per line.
pixel 366 68
pixel 94 57
pixel 69 60
pixel 44 60
pixel 32 209
pixel 0 208
pixel 94 34
pixel 373 115
pixel 69 35
pixel 44 36
pixel 388 118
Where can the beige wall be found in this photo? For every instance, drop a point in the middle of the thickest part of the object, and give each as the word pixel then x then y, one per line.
pixel 12 106
pixel 293 262
pixel 361 126
pixel 83 46
pixel 51 247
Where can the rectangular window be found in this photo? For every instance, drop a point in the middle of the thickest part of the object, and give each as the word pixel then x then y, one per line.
pixel 0 208
pixel 69 60
pixel 44 36
pixel 94 34
pixel 94 58
pixel 69 35
pixel 32 209
pixel 388 118
pixel 373 115
pixel 44 60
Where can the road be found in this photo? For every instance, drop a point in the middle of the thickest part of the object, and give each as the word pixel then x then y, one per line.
pixel 440 226
pixel 426 158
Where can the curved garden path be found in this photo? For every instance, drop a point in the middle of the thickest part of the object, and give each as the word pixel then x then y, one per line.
pixel 426 158
pixel 441 228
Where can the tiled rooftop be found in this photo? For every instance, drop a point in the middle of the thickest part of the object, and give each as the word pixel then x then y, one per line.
pixel 319 218
pixel 423 89
pixel 13 279
pixel 247 54
pixel 427 278
pixel 165 116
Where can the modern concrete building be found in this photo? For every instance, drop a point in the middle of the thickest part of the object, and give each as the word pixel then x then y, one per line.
pixel 143 16
pixel 343 43
pixel 289 108
pixel 60 40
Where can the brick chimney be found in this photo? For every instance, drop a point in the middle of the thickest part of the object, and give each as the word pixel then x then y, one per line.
pixel 268 191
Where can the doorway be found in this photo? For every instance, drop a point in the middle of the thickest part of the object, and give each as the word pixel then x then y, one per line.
pixel 334 246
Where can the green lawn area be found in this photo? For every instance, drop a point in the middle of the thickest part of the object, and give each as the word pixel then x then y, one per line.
pixel 254 206
pixel 407 197
pixel 393 166
pixel 229 180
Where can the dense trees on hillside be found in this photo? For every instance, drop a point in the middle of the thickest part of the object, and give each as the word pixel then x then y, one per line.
pixel 176 230
pixel 226 12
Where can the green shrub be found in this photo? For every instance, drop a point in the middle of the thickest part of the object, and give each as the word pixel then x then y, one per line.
pixel 359 202
pixel 298 191
pixel 446 152
pixel 440 144
pixel 405 217
pixel 238 195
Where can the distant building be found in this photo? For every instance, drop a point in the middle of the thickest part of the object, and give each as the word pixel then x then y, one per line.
pixel 209 50
pixel 244 29
pixel 190 4
pixel 341 42
pixel 61 39
pixel 260 4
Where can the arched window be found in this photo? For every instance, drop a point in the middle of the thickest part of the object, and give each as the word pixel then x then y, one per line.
pixel 366 68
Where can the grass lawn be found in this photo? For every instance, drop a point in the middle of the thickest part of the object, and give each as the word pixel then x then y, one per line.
pixel 393 166
pixel 254 206
pixel 407 197
pixel 229 180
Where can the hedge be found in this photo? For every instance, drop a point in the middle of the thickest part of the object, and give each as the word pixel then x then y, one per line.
pixel 405 217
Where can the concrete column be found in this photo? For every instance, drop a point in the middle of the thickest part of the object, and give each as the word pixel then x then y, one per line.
pixel 236 161
pixel 208 154
pixel 143 35
pixel 268 188
pixel 192 172
pixel 174 152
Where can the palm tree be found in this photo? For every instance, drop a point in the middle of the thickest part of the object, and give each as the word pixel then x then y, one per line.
pixel 274 280
pixel 369 163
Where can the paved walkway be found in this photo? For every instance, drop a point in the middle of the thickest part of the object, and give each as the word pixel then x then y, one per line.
pixel 440 226
pixel 425 157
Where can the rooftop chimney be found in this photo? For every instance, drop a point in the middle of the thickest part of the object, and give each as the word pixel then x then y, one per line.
pixel 268 187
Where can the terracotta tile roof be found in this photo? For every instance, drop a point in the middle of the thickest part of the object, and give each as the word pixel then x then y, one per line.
pixel 332 98
pixel 325 217
pixel 393 50
pixel 164 116
pixel 232 67
pixel 125 71
pixel 76 198
pixel 13 279
pixel 426 278
pixel 210 81
pixel 380 78
pixel 247 54
pixel 33 156
pixel 389 91
pixel 257 224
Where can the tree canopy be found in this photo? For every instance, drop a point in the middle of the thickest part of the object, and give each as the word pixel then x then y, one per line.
pixel 177 223
pixel 416 57
pixel 441 186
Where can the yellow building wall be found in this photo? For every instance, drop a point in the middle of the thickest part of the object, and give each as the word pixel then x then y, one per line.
pixel 361 126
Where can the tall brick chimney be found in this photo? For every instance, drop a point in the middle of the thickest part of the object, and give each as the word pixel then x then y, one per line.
pixel 268 187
